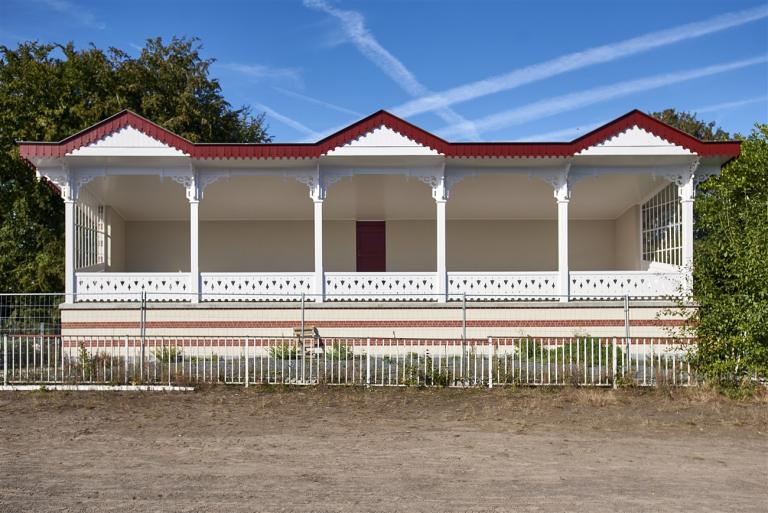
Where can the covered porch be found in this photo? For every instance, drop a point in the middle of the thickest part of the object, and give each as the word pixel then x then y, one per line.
pixel 377 234
pixel 379 211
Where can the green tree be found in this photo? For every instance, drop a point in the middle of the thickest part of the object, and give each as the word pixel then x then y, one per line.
pixel 731 258
pixel 690 124
pixel 50 91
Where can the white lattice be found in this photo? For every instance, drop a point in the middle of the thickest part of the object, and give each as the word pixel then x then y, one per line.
pixel 615 284
pixel 380 287
pixel 503 286
pixel 256 286
pixel 129 286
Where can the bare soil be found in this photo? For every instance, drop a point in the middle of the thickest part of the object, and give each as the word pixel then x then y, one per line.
pixel 350 450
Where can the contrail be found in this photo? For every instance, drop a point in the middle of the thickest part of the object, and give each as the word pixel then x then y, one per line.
pixel 573 101
pixel 353 24
pixel 578 60
pixel 732 105
pixel 316 101
pixel 299 127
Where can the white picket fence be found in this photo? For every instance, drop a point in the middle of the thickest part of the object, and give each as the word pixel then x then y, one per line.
pixel 587 361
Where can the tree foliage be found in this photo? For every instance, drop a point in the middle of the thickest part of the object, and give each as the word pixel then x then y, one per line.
pixel 50 91
pixel 692 125
pixel 731 257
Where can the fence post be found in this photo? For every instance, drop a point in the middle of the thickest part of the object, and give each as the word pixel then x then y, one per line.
pixel 368 362
pixel 614 363
pixel 171 357
pixel 464 318
pixel 126 359
pixel 490 362
pixel 5 360
pixel 626 322
pixel 247 379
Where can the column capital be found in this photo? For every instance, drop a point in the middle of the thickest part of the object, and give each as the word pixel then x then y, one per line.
pixel 685 177
pixel 68 181
pixel 317 181
pixel 190 180
pixel 560 181
pixel 436 179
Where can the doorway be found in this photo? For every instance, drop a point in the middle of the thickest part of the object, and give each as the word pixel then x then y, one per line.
pixel 371 242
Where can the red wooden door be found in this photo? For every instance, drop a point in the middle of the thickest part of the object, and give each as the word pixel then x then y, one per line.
pixel 371 246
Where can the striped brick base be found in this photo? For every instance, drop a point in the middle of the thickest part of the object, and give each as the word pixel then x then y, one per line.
pixel 375 320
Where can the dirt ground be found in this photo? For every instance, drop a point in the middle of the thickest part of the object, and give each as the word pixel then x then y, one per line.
pixel 333 449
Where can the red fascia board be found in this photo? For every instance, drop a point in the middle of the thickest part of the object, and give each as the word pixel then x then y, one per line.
pixel 381 118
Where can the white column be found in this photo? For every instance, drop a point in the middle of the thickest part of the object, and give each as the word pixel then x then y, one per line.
pixel 194 249
pixel 69 250
pixel 686 192
pixel 563 197
pixel 442 273
pixel 562 249
pixel 319 274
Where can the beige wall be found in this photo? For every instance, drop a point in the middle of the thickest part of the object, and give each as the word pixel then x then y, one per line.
pixel 115 246
pixel 528 245
pixel 157 246
pixel 232 246
pixel 411 246
pixel 627 228
pixel 501 245
pixel 275 246
pixel 339 251
pixel 592 245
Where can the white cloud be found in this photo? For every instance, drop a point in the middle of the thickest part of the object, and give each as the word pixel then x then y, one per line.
pixel 572 101
pixel 353 24
pixel 578 60
pixel 290 122
pixel 261 72
pixel 76 12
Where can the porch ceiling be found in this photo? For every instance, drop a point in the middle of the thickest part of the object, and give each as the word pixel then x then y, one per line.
pixel 371 197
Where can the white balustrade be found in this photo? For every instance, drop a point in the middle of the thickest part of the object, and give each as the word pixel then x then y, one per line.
pixel 380 287
pixel 616 284
pixel 256 286
pixel 481 286
pixel 100 286
pixel 503 286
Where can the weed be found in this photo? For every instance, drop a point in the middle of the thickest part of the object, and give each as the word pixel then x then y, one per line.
pixel 284 351
pixel 339 351
pixel 169 354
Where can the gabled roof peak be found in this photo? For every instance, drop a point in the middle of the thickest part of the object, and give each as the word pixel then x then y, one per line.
pixel 367 124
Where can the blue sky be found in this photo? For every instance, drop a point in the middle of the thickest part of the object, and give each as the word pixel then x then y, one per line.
pixel 465 70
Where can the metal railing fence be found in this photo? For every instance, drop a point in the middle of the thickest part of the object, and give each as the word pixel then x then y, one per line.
pixel 29 314
pixel 190 360
pixel 40 314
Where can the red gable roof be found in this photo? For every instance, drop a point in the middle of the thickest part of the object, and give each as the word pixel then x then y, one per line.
pixel 110 125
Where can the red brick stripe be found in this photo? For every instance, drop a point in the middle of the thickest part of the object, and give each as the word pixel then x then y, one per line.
pixel 542 323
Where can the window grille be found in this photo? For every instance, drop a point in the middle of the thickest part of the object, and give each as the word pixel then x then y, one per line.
pixel 89 232
pixel 662 234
